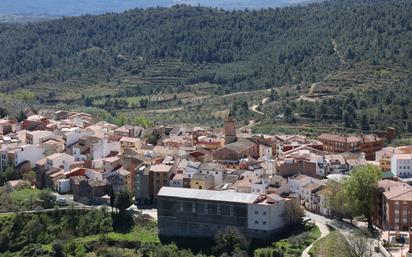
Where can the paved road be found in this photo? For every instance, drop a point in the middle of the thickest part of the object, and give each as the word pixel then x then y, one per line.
pixel 342 227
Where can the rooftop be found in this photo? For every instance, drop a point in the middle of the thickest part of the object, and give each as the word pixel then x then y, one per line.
pixel 208 195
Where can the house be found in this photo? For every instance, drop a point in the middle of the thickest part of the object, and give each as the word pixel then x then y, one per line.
pixel 38 136
pixel 89 191
pixel 52 145
pixel 184 212
pixel 209 143
pixel 111 163
pixel 310 197
pixel 120 179
pixel 231 153
pixel 161 173
pixel 401 165
pixel 217 171
pixel 59 160
pixel 393 205
pixel 201 181
pixel 8 126
pixel 384 156
pixel 368 144
pixel 285 143
pixel 177 180
pixel 302 160
pixel 297 182
pixel 25 153
pixel 129 131
pixel 74 134
pixel 35 122
pixel 130 143
pixel 290 167
pixel 95 148
pixel 245 182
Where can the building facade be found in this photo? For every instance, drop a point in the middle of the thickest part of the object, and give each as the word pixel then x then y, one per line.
pixel 202 213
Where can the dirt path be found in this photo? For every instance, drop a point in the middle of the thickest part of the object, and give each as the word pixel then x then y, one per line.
pixel 340 55
pixel 324 231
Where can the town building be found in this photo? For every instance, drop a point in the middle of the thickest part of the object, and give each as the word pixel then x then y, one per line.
pixel 393 206
pixel 401 165
pixel 368 144
pixel 230 130
pixel 186 212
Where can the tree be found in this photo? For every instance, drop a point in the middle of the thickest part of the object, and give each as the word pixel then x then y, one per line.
pixel 58 249
pixel 230 240
pixel 47 199
pixel 365 122
pixel 273 95
pixel 360 191
pixel 123 200
pixel 335 200
pixel 112 198
pixel 3 112
pixel 293 212
pixel 356 246
pixel 142 121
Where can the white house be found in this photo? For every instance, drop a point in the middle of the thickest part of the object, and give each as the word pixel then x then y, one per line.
pixel 297 182
pixel 259 186
pixel 73 135
pixel 37 136
pixel 401 165
pixel 216 170
pixel 31 153
pixel 268 214
pixel 58 160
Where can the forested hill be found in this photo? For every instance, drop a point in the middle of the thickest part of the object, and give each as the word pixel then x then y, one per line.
pixel 236 49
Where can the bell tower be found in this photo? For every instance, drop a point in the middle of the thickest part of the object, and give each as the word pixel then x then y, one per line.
pixel 230 129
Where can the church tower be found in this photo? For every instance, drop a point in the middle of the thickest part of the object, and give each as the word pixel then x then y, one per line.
pixel 230 130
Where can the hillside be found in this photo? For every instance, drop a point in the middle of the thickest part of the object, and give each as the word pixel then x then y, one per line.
pixel 78 7
pixel 137 60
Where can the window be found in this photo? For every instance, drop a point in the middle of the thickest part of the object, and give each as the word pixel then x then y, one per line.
pixel 256 222
pixel 256 212
pixel 264 213
pixel 264 223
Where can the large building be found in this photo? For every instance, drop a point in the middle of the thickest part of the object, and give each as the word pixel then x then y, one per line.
pixel 184 212
pixel 233 152
pixel 368 144
pixel 394 206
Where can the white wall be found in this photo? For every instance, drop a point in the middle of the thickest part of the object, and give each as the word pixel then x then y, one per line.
pixel 103 148
pixel 61 160
pixel 268 217
pixel 401 167
pixel 31 153
pixel 74 135
pixel 63 186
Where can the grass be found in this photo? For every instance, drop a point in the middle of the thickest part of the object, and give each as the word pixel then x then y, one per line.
pixel 24 194
pixel 292 246
pixel 142 234
pixel 329 246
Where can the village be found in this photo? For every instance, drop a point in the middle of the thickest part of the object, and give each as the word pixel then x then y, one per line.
pixel 197 180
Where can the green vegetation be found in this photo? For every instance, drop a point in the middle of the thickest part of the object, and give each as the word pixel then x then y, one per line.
pixel 361 190
pixel 25 199
pixel 167 64
pixel 329 246
pixel 292 246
